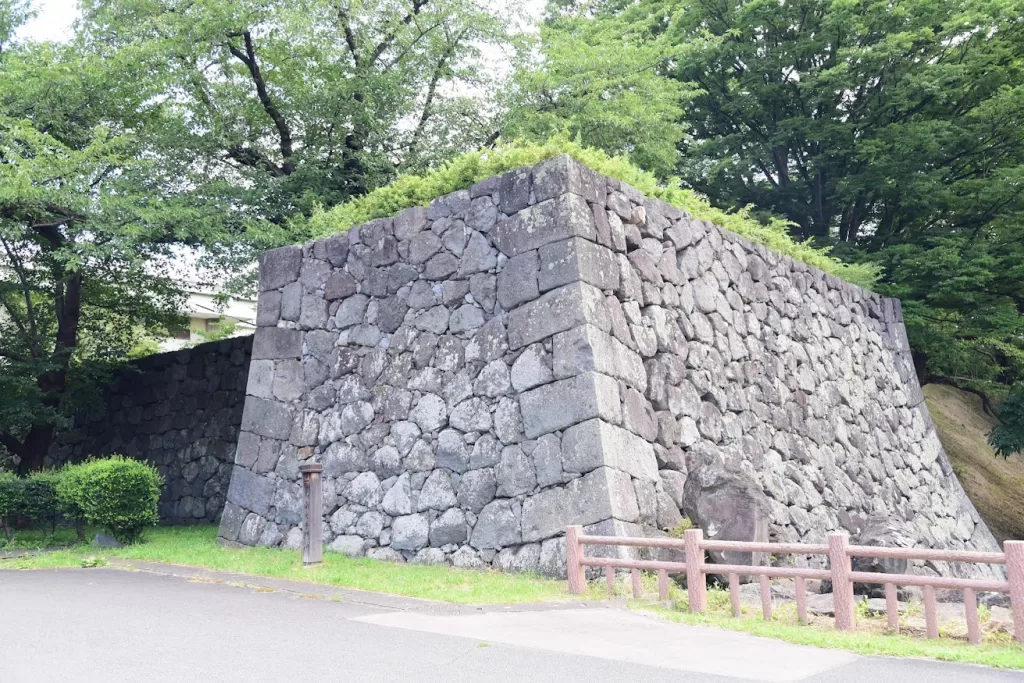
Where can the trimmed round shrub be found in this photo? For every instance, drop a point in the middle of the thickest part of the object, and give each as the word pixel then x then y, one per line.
pixel 39 503
pixel 12 493
pixel 117 493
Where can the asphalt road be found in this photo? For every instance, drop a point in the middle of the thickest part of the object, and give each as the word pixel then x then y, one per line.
pixel 113 625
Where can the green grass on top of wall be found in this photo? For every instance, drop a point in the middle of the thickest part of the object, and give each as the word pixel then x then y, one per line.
pixel 472 167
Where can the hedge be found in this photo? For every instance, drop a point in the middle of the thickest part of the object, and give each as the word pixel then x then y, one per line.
pixel 117 493
pixel 12 492
pixel 467 169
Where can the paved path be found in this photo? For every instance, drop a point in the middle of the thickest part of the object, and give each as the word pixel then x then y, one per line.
pixel 114 625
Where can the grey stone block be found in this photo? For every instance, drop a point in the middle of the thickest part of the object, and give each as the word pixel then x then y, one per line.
pixel 567 402
pixel 279 267
pixel 261 379
pixel 558 310
pixel 547 460
pixel 410 222
pixel 339 286
pixel 276 342
pixel 514 473
pixel 602 494
pixel 515 187
pixel 250 491
pixel 517 281
pixel 477 488
pixel 588 349
pixel 562 175
pixel 268 308
pixel 496 527
pixel 577 259
pixel 549 221
pixel 449 528
pixel 231 522
pixel 267 418
pixel 410 532
pixel 595 443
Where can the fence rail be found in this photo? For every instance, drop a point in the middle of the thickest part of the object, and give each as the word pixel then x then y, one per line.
pixel 840 572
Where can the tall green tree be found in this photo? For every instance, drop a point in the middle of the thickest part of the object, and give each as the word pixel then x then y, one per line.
pixel 602 83
pixel 285 106
pixel 891 130
pixel 86 230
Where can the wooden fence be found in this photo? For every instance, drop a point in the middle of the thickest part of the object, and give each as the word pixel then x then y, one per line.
pixel 840 573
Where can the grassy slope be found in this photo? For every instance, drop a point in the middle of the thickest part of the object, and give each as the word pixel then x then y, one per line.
pixel 994 485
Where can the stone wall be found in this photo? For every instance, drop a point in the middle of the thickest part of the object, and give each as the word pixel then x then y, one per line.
pixel 180 411
pixel 550 348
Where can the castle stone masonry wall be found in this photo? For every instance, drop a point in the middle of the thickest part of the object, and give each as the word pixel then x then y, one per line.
pixel 550 348
pixel 180 411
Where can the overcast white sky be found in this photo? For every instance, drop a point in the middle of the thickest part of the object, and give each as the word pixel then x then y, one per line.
pixel 53 21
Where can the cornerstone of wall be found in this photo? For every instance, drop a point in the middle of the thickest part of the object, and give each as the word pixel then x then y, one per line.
pixel 551 348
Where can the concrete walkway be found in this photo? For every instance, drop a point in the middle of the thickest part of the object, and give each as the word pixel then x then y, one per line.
pixel 107 624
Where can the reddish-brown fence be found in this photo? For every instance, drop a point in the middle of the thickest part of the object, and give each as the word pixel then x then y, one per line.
pixel 840 573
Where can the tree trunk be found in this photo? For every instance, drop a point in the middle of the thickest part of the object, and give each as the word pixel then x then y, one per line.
pixel 34 448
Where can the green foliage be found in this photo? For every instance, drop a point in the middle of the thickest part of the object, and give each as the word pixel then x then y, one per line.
pixel 117 493
pixel 40 499
pixel 70 487
pixel 12 494
pixel 599 82
pixel 1007 438
pixel 463 171
pixel 679 530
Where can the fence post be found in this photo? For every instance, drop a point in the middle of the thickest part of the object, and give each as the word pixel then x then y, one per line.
pixel 573 555
pixel 312 528
pixel 842 587
pixel 696 588
pixel 1014 551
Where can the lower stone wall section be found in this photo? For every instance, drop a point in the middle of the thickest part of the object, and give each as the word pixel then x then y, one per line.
pixel 180 411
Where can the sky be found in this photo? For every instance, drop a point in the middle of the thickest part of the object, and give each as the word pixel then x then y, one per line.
pixel 53 21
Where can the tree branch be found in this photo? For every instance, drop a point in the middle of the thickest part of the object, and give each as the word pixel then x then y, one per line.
pixel 10 443
pixel 283 131
pixel 29 307
pixel 417 6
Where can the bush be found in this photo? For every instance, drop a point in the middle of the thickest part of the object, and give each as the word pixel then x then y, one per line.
pixel 462 171
pixel 12 493
pixel 116 493
pixel 69 492
pixel 40 498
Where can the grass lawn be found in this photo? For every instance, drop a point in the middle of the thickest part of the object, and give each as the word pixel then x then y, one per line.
pixel 196 546
pixel 871 636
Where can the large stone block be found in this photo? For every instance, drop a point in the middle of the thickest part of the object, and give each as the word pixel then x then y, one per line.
pixel 251 491
pixel 577 259
pixel 602 494
pixel 549 221
pixel 275 343
pixel 266 418
pixel 587 349
pixel 562 175
pixel 595 443
pixel 567 402
pixel 279 267
pixel 557 311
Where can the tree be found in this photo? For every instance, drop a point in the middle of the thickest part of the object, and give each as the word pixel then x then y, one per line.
pixel 601 82
pixel 893 131
pixel 86 229
pixel 1007 437
pixel 281 107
